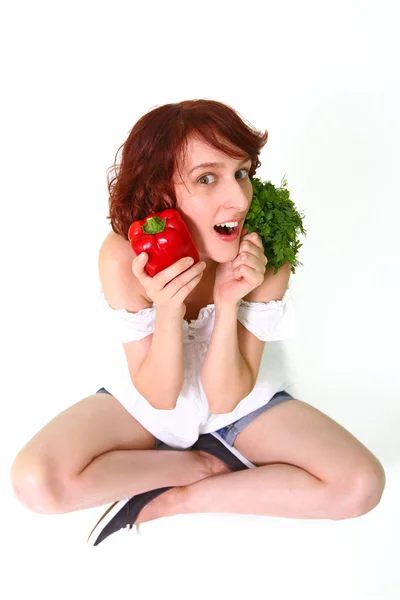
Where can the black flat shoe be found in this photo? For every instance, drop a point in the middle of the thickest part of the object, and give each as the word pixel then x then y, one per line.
pixel 215 445
pixel 123 513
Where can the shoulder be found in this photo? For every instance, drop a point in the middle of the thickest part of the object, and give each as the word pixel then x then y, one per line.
pixel 116 248
pixel 120 286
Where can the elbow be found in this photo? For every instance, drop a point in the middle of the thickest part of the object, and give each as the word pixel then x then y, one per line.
pixel 222 406
pixel 161 401
pixel 168 407
pixel 161 404
pixel 218 411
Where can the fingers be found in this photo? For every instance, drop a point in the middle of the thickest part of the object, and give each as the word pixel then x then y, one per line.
pixel 247 250
pixel 251 256
pixel 170 286
pixel 251 243
pixel 253 277
pixel 253 238
pixel 138 265
pixel 178 267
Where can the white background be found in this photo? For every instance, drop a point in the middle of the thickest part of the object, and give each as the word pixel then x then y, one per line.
pixel 323 79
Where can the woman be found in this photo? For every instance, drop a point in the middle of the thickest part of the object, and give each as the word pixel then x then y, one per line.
pixel 192 371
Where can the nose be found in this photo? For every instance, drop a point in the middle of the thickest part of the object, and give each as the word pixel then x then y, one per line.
pixel 234 197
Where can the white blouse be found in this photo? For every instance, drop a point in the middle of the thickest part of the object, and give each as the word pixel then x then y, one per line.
pixel 179 428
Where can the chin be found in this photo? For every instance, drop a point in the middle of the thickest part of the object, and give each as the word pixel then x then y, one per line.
pixel 220 257
pixel 218 250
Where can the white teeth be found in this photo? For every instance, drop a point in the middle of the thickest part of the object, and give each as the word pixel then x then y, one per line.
pixel 231 224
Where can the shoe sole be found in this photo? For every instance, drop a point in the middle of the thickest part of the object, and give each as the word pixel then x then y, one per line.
pixel 105 519
pixel 137 502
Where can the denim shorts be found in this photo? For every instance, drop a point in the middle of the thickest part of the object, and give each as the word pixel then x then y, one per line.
pixel 231 431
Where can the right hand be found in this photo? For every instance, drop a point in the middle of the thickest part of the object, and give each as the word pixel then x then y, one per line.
pixel 169 288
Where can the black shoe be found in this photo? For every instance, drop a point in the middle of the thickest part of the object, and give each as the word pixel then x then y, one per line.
pixel 215 445
pixel 123 514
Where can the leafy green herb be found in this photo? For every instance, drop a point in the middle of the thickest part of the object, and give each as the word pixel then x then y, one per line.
pixel 274 217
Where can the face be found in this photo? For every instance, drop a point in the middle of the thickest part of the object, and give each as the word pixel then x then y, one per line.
pixel 207 196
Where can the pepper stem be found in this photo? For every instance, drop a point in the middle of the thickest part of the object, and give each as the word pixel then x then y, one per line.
pixel 154 225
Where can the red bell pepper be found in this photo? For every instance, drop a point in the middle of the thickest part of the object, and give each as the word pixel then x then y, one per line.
pixel 165 238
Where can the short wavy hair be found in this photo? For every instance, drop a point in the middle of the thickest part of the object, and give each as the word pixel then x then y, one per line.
pixel 142 181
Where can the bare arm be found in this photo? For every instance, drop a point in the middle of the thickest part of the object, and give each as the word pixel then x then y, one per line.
pixel 155 362
pixel 225 375
pixel 161 374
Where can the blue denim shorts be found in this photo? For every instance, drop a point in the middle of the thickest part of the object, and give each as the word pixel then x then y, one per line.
pixel 231 431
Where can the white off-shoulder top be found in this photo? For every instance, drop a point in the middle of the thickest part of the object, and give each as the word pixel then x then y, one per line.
pixel 179 428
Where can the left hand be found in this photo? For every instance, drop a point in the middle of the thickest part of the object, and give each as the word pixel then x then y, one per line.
pixel 237 278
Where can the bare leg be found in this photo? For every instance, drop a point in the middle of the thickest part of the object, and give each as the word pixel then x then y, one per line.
pixel 309 467
pixel 279 490
pixel 94 453
pixel 275 490
pixel 120 474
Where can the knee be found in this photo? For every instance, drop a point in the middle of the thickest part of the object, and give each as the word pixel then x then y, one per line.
pixel 35 486
pixel 362 490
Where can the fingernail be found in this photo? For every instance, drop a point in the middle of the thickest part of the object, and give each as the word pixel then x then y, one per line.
pixel 143 255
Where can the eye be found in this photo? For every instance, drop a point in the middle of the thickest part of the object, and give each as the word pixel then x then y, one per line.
pixel 246 173
pixel 204 176
pixel 211 175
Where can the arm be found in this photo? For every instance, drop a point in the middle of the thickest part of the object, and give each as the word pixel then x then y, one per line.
pixel 160 376
pixel 230 368
pixel 225 375
pixel 155 362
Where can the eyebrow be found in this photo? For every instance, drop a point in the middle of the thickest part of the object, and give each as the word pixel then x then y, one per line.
pixel 217 165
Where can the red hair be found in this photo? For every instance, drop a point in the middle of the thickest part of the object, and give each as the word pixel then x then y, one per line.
pixel 150 154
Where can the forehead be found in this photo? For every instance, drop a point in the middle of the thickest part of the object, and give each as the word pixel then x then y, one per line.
pixel 199 151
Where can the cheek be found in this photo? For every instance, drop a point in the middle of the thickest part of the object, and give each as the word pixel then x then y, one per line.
pixel 194 215
pixel 198 217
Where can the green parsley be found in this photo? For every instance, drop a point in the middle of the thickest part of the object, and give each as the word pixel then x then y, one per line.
pixel 274 217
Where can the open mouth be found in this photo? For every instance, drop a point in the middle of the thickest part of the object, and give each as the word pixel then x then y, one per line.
pixel 224 230
pixel 227 233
